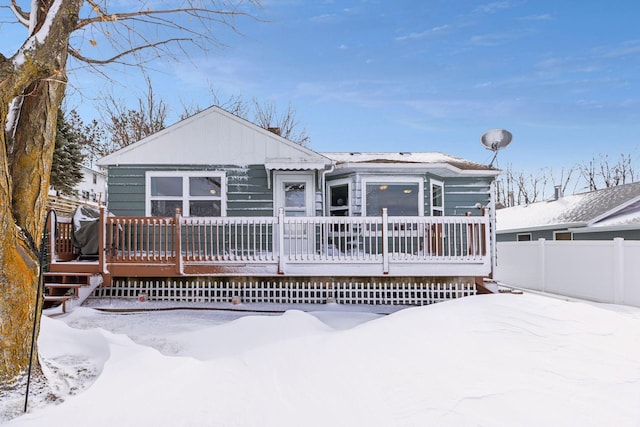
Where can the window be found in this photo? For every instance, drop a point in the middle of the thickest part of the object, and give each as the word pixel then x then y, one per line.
pixel 562 235
pixel 437 198
pixel 195 193
pixel 95 178
pixel 295 200
pixel 523 237
pixel 401 197
pixel 339 199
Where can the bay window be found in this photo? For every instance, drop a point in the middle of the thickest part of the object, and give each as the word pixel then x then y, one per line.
pixel 400 196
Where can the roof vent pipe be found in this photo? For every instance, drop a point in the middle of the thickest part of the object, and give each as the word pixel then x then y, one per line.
pixel 557 194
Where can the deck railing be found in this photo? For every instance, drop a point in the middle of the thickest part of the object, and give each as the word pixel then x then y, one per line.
pixel 140 239
pixel 414 245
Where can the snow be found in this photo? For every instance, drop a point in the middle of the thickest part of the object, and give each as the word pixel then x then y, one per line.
pixel 402 157
pixel 491 360
pixel 539 214
pixel 578 210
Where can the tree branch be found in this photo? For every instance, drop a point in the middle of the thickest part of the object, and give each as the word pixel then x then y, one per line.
pixel 79 57
pixel 21 16
pixel 200 13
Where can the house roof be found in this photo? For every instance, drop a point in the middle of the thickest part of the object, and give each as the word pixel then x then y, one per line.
pixel 614 206
pixel 443 164
pixel 215 136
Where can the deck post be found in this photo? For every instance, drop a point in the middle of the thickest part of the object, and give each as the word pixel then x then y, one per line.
pixel 102 239
pixel 281 261
pixel 53 226
pixel 385 241
pixel 177 220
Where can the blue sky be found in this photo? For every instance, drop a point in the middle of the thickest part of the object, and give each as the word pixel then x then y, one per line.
pixel 430 75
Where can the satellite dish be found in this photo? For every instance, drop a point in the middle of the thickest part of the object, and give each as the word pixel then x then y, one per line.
pixel 495 140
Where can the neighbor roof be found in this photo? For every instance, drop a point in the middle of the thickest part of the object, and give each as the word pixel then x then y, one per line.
pixel 579 210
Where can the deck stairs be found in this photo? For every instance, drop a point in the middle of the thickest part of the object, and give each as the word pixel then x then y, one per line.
pixel 68 290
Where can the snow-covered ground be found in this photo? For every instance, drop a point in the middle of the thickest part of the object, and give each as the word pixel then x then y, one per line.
pixel 492 360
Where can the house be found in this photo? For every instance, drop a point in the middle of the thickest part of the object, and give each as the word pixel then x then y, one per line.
pixel 216 207
pixel 596 215
pixel 91 190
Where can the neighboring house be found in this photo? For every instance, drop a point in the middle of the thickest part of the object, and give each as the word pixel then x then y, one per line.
pixel 91 190
pixel 258 207
pixel 597 215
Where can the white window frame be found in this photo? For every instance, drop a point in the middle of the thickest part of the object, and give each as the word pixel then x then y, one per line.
pixel 186 198
pixel 338 183
pixel 394 180
pixel 523 235
pixel 555 233
pixel 433 183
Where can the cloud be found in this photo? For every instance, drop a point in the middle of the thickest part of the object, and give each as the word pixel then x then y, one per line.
pixel 491 39
pixel 225 74
pixel 324 18
pixel 494 7
pixel 364 93
pixel 430 32
pixel 543 17
pixel 630 47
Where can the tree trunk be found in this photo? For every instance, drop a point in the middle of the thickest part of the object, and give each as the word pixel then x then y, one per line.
pixel 26 153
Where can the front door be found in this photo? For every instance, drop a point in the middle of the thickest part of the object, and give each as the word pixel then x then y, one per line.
pixel 294 193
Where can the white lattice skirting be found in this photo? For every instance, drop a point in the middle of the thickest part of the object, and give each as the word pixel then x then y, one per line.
pixel 287 291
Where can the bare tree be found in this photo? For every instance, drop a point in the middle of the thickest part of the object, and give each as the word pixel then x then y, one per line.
pixel 33 81
pixel 126 126
pixel 266 115
pixel 601 172
pixel 518 188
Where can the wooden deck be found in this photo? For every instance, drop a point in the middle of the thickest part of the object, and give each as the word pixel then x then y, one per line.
pixel 283 246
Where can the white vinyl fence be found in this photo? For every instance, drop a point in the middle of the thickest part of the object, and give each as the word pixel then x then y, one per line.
pixel 602 271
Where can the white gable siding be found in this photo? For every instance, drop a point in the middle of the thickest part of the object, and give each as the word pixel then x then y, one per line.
pixel 213 137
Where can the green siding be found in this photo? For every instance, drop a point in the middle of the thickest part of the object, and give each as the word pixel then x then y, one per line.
pixel 126 190
pixel 548 235
pixel 608 235
pixel 462 194
pixel 535 235
pixel 248 193
pixel 247 190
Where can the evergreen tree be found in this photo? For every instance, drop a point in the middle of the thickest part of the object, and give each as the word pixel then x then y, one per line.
pixel 66 170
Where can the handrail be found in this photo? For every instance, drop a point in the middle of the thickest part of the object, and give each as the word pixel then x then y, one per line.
pixel 289 241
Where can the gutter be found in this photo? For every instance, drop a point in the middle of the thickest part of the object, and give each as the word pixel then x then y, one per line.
pixel 602 229
pixel 569 225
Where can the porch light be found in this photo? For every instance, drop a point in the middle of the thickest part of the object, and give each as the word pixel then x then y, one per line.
pixel 407 191
pixel 383 187
pixel 213 191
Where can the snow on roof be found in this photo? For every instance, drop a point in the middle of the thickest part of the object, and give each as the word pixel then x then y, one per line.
pixel 578 210
pixel 627 217
pixel 407 157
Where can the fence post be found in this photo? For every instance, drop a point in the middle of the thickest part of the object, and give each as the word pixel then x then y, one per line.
pixel 618 270
pixel 542 267
pixel 177 237
pixel 281 261
pixel 385 241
